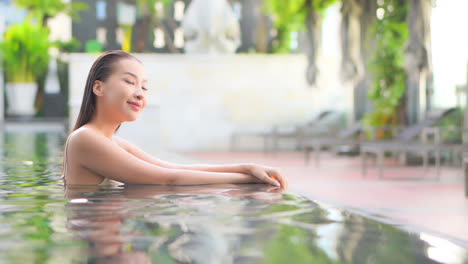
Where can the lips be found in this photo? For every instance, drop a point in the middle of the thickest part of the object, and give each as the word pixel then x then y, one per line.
pixel 134 105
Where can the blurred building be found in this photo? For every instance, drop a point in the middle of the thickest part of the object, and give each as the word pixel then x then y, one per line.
pixel 103 22
pixel 104 18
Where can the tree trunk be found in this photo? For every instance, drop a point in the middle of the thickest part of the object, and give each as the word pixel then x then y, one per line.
pixel 262 34
pixel 248 24
pixel 45 21
pixel 418 60
pixel 314 37
pixel 167 38
pixel 142 33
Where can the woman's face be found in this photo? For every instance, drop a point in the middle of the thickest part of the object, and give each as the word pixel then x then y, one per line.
pixel 124 90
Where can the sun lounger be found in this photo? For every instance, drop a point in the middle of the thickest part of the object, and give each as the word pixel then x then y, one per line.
pixel 405 141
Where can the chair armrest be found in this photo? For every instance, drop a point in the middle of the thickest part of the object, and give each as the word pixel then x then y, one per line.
pixel 373 129
pixel 431 132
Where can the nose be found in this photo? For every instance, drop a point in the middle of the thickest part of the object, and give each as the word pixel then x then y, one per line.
pixel 139 94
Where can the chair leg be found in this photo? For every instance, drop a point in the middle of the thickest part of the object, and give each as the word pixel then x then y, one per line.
pixel 364 163
pixel 317 155
pixel 455 158
pixel 425 159
pixel 380 160
pixel 437 163
pixel 402 157
pixel 465 170
pixel 307 151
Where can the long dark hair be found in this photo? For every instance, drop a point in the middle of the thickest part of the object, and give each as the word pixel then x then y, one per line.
pixel 100 71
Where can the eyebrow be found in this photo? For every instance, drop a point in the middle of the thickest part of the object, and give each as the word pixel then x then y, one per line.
pixel 134 75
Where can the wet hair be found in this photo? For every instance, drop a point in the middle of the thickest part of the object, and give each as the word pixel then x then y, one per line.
pixel 100 71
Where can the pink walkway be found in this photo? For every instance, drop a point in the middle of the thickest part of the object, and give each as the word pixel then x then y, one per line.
pixel 410 196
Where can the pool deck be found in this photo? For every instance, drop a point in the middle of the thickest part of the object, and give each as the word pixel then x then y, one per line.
pixel 408 196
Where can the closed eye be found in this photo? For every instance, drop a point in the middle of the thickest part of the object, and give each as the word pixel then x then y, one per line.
pixel 144 88
pixel 129 82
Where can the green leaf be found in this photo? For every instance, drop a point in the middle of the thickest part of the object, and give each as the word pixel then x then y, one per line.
pixel 391 33
pixel 25 51
pixel 290 16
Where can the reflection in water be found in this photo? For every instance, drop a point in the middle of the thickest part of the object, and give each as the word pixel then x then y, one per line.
pixel 188 224
pixel 99 224
pixel 41 222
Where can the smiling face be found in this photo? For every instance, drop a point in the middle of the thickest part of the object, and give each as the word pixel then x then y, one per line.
pixel 123 95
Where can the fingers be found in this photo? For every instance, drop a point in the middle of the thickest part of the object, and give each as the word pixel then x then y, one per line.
pixel 275 174
pixel 266 178
pixel 270 175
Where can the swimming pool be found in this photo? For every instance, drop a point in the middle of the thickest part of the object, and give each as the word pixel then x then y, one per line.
pixel 40 222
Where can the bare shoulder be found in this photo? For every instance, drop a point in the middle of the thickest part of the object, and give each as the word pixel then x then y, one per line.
pixel 123 143
pixel 85 138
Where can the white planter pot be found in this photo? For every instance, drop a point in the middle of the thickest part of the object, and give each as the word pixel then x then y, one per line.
pixel 21 98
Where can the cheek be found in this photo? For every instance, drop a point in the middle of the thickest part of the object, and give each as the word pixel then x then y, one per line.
pixel 116 95
pixel 113 98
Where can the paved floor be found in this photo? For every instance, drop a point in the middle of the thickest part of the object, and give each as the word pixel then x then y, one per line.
pixel 409 196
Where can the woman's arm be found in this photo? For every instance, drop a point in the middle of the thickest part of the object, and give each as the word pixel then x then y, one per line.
pixel 102 156
pixel 139 153
pixel 244 168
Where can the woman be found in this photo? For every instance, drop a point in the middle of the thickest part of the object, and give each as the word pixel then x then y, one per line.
pixel 115 92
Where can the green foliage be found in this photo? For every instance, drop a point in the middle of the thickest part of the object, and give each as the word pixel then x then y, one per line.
pixel 287 13
pixel 148 7
pixel 290 16
pixel 391 32
pixel 45 9
pixel 25 51
pixel 451 127
pixel 93 46
pixel 150 17
pixel 72 45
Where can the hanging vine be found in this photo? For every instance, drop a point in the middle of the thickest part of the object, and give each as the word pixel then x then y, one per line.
pixel 291 16
pixel 388 90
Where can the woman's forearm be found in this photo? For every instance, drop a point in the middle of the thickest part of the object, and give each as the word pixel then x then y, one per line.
pixel 184 176
pixel 233 168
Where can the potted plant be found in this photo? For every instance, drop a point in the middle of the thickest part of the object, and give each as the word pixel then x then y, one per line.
pixel 25 53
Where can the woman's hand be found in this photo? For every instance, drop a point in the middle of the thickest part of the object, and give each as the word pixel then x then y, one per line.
pixel 268 174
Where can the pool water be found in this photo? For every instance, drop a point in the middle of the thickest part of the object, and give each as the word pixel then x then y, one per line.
pixel 41 222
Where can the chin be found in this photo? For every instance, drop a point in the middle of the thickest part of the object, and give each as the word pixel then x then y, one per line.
pixel 131 118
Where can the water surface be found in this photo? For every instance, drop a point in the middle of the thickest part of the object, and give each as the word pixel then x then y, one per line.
pixel 41 222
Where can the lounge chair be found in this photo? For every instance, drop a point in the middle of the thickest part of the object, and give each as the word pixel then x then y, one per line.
pixel 465 171
pixel 349 136
pixel 405 142
pixel 322 124
pixel 272 135
pixel 269 134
